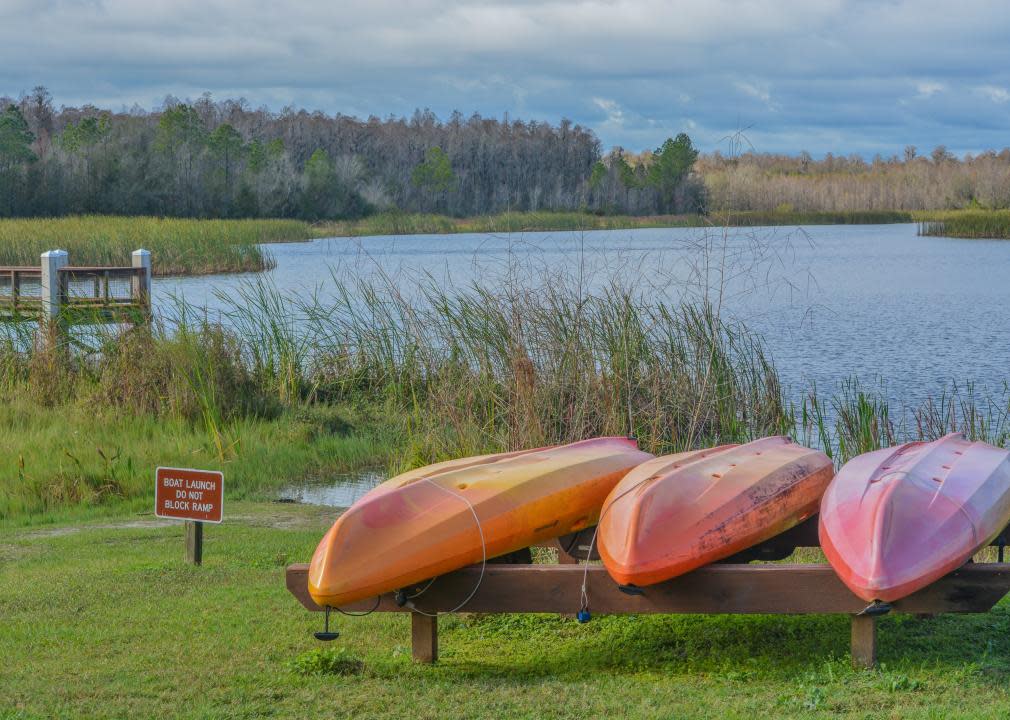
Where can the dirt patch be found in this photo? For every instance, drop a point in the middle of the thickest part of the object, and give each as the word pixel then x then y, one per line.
pixel 18 553
pixel 290 516
pixel 72 529
pixel 285 516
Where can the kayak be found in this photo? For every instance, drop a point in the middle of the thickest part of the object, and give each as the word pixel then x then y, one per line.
pixel 678 512
pixel 895 520
pixel 442 517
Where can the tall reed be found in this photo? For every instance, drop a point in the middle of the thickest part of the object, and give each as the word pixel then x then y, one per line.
pixel 489 368
pixel 178 246
pixel 856 419
pixel 977 224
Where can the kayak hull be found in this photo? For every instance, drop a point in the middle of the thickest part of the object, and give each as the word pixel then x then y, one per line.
pixel 440 518
pixel 895 520
pixel 676 513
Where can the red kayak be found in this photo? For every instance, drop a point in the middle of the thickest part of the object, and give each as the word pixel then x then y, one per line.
pixel 676 513
pixel 897 519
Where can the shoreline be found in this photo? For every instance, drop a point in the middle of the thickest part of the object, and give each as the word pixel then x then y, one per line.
pixel 396 223
pixel 187 247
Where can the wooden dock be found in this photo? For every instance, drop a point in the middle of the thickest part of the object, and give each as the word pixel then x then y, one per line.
pixel 67 294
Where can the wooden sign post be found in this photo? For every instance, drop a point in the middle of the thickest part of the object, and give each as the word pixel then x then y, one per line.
pixel 196 496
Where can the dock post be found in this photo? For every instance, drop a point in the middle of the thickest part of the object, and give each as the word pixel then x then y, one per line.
pixel 52 290
pixel 864 642
pixel 423 637
pixel 50 332
pixel 141 285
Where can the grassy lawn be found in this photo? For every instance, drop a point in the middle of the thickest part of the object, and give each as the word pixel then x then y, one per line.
pixel 101 618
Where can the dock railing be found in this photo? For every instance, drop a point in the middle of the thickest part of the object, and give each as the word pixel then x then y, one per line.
pixel 57 291
pixel 20 291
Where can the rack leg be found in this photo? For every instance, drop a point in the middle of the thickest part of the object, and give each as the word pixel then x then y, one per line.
pixel 424 637
pixel 864 642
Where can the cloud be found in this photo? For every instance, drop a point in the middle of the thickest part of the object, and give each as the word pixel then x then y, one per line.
pixel 928 89
pixel 996 94
pixel 759 92
pixel 824 75
pixel 614 114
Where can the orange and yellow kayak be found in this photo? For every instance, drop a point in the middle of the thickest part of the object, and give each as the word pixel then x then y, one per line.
pixel 678 512
pixel 424 523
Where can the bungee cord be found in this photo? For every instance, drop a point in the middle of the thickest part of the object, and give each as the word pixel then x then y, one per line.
pixel 378 599
pixel 583 614
pixel 483 562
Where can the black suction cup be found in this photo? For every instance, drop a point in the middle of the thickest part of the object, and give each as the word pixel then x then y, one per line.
pixel 325 635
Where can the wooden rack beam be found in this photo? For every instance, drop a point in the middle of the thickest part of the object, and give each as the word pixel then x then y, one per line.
pixel 785 589
pixel 715 589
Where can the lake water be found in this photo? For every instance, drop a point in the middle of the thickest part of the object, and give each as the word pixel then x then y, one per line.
pixel 872 301
pixel 342 490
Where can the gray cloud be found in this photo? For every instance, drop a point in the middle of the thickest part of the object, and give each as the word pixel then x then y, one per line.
pixel 834 75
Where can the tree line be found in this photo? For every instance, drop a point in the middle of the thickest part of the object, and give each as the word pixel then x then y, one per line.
pixel 912 181
pixel 225 159
pixel 209 158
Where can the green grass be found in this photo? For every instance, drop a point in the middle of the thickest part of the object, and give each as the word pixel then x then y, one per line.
pixel 79 456
pixel 397 223
pixel 103 619
pixel 178 246
pixel 966 223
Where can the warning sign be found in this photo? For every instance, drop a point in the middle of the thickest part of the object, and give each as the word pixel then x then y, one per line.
pixel 187 494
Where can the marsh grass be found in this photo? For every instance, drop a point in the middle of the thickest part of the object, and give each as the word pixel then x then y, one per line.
pixel 788 216
pixel 496 368
pixel 178 246
pixel 85 456
pixel 400 223
pixel 979 224
pixel 856 419
pixel 88 416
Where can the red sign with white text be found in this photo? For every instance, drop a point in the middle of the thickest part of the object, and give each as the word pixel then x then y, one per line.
pixel 185 494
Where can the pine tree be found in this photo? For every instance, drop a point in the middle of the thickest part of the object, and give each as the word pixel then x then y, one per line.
pixel 15 153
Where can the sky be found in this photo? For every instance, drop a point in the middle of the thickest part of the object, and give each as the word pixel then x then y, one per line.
pixel 842 76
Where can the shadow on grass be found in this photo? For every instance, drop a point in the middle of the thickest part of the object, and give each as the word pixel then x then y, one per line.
pixel 773 647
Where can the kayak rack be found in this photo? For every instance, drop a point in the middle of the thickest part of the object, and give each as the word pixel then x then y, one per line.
pixel 736 585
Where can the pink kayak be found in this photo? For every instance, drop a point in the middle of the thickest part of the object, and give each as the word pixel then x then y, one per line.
pixel 895 520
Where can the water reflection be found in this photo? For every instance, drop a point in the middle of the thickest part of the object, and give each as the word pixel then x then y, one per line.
pixel 341 490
